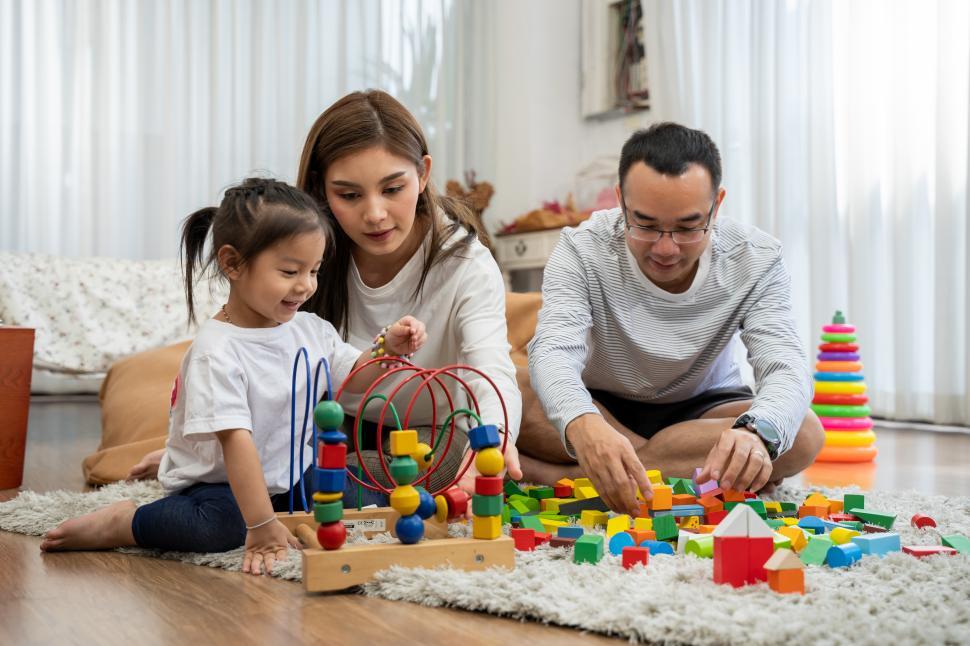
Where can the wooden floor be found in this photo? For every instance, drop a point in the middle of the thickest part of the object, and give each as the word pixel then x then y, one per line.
pixel 110 598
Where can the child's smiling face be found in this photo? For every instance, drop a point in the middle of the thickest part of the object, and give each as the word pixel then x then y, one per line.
pixel 270 289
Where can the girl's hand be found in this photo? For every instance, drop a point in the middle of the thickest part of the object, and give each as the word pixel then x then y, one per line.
pixel 467 482
pixel 148 467
pixel 405 337
pixel 265 545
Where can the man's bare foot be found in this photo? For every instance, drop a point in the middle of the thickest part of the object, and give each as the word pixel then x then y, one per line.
pixel 148 467
pixel 103 529
pixel 540 472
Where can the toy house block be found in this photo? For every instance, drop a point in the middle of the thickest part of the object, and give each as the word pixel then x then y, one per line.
pixel 588 549
pixel 731 560
pixel 640 535
pixel 872 517
pixel 524 539
pixel 715 517
pixel 592 518
pixel 743 521
pixel 816 551
pixel 879 544
pixel 643 523
pixel 922 551
pixel 563 491
pixel 759 551
pixel 665 528
pixel 957 542
pixel 819 511
pixel 561 541
pixel 816 500
pixel 730 495
pixel 654 476
pixel 617 524
pixel 785 572
pixel 682 499
pixel 682 486
pixel 532 522
pixel 842 535
pixel 618 541
pixel 796 536
pixel 662 497
pixel 635 556
pixel 919 521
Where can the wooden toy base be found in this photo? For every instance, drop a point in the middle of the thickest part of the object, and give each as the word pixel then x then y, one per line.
pixel 330 570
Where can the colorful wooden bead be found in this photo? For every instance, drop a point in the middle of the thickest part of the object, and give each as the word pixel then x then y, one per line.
pixel 332 456
pixel 409 529
pixel 405 500
pixel 331 535
pixel 332 437
pixel 483 437
pixel 426 506
pixel 486 505
pixel 319 496
pixel 330 480
pixel 488 485
pixel 404 442
pixel 489 462
pixel 404 470
pixel 328 512
pixel 328 414
pixel 422 455
pixel 457 502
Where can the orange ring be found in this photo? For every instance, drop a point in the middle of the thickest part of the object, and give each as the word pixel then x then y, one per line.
pixel 838 366
pixel 846 454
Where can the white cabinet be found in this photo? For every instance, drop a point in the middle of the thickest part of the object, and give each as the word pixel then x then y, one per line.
pixel 524 251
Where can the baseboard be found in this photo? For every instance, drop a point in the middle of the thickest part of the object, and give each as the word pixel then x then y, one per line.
pixel 896 425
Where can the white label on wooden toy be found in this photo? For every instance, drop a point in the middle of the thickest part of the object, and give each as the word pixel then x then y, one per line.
pixel 366 525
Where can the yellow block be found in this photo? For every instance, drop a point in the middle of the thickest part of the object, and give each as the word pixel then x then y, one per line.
pixel 796 535
pixel 486 527
pixel 617 524
pixel 550 525
pixel 592 518
pixel 319 496
pixel 842 535
pixel 584 493
pixel 549 504
pixel 774 507
pixel 790 521
pixel 645 524
pixel 816 500
pixel 850 438
pixel 489 462
pixel 654 476
pixel 691 522
pixel 404 442
pixel 582 482
pixel 840 387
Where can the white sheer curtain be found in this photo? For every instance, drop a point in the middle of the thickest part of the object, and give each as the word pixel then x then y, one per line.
pixel 117 119
pixel 843 127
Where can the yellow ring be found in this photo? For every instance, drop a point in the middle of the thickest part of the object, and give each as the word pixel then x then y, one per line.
pixel 319 496
pixel 850 438
pixel 840 387
pixel 441 509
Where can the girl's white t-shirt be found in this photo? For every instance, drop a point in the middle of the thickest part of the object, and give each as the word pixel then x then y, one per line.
pixel 462 304
pixel 235 377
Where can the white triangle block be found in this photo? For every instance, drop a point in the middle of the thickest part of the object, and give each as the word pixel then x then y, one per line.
pixel 784 559
pixel 735 523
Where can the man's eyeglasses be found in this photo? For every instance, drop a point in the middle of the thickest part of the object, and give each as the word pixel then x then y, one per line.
pixel 679 236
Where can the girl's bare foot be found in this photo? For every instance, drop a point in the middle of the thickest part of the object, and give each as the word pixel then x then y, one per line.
pixel 103 529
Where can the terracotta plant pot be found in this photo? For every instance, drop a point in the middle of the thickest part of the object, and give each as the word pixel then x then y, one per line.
pixel 16 360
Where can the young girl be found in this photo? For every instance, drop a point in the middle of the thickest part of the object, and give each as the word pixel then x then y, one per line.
pixel 226 466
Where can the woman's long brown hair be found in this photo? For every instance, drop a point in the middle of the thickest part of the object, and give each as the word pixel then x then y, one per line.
pixel 356 122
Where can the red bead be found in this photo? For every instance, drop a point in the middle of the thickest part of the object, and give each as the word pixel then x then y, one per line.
pixel 488 485
pixel 331 535
pixel 457 502
pixel 332 456
pixel 920 521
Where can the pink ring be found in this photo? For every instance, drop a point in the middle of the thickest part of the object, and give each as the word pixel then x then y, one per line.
pixel 845 423
pixel 839 328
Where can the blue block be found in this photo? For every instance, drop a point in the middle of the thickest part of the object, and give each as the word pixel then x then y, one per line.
pixel 619 541
pixel 657 547
pixel 331 437
pixel 661 512
pixel 483 437
pixel 681 511
pixel 843 555
pixel 329 480
pixel 569 531
pixel 880 544
pixel 813 524
pixel 838 376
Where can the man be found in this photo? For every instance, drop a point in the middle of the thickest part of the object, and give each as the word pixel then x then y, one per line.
pixel 633 356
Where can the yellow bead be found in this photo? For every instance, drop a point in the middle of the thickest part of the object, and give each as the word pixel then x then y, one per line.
pixel 405 500
pixel 380 352
pixel 441 509
pixel 487 527
pixel 489 462
pixel 327 497
pixel 403 442
pixel 423 456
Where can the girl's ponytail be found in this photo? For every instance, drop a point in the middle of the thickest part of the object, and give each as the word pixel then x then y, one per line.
pixel 195 230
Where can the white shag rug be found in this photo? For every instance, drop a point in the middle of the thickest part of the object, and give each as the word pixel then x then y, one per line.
pixel 897 599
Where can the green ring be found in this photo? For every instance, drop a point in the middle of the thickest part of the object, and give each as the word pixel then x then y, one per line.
pixel 836 410
pixel 838 338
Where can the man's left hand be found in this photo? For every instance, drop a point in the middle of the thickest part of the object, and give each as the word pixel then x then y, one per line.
pixel 739 461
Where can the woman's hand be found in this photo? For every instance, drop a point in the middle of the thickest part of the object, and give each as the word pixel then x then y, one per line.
pixel 148 467
pixel 265 545
pixel 405 337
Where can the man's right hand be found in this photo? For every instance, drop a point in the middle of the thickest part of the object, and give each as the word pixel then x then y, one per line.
pixel 610 462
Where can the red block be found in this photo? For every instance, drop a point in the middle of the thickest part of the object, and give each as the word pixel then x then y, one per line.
pixel 919 521
pixel 748 495
pixel 922 551
pixel 542 538
pixel 488 485
pixel 562 491
pixel 715 517
pixel 759 551
pixel 633 555
pixel 332 456
pixel 524 539
pixel 731 560
pixel 841 518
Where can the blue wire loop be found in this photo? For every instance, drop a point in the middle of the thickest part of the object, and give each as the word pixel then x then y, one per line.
pixel 322 363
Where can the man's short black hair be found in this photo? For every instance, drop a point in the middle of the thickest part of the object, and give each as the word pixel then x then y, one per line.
pixel 669 148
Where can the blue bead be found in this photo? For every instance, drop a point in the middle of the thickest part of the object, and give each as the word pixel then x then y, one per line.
pixel 657 547
pixel 619 541
pixel 329 480
pixel 843 555
pixel 331 437
pixel 483 437
pixel 426 506
pixel 409 529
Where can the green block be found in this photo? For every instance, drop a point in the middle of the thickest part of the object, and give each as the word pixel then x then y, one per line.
pixel 781 541
pixel 853 501
pixel 789 508
pixel 519 507
pixel 551 515
pixel 487 505
pixel 701 546
pixel 588 549
pixel 957 542
pixel 532 522
pixel 666 528
pixel 816 550
pixel 852 524
pixel 775 523
pixel 512 489
pixel 506 515
pixel 530 503
pixel 758 506
pixel 682 485
pixel 728 506
pixel 874 517
pixel 540 493
pixel 328 512
pixel 404 469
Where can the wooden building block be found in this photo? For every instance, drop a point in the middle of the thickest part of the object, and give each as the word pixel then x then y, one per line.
pixel 588 549
pixel 635 556
pixel 617 524
pixel 731 560
pixel 922 551
pixel 643 523
pixel 787 581
pixel 683 499
pixel 523 538
pixel 662 497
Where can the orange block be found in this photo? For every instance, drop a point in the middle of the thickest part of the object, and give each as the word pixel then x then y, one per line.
pixel 819 512
pixel 644 510
pixel 640 535
pixel 787 581
pixel 730 495
pixel 710 503
pixel 835 507
pixel 663 497
pixel 705 529
pixel 683 499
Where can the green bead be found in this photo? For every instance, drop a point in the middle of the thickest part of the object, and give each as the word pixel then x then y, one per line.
pixel 328 414
pixel 487 505
pixel 404 469
pixel 328 512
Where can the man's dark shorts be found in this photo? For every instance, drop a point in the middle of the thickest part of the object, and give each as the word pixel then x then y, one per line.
pixel 647 419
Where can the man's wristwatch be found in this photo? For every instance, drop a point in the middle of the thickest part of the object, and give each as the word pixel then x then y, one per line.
pixel 763 429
